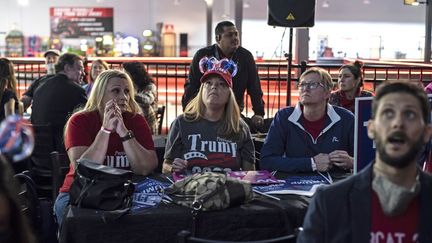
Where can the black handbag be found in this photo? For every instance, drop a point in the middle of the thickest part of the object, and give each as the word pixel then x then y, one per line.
pixel 101 187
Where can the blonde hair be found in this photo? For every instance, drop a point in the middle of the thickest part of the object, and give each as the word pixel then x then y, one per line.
pixel 94 102
pixel 325 77
pixel 231 124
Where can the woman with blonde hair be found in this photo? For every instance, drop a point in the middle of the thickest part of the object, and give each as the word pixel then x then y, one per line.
pixel 110 130
pixel 9 103
pixel 210 135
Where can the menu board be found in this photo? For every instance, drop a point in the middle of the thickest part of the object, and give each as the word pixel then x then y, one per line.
pixel 76 22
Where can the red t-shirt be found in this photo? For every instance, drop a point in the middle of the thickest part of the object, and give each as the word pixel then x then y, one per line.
pixel 83 128
pixel 314 127
pixel 401 228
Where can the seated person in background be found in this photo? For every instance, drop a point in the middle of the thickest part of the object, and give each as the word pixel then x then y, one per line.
pixel 59 96
pixel 110 130
pixel 51 58
pixel 96 68
pixel 9 103
pixel 313 135
pixel 210 135
pixel 390 200
pixel 145 92
pixel 350 83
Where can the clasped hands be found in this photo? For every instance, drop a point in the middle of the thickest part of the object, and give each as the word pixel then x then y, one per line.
pixel 113 119
pixel 340 158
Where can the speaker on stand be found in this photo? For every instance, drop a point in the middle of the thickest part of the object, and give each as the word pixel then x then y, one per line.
pixel 293 14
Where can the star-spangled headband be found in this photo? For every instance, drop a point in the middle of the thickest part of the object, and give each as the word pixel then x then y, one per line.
pixel 225 68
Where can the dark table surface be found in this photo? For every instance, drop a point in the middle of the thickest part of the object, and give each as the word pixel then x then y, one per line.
pixel 261 218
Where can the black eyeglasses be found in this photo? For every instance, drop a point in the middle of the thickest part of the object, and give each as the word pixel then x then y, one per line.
pixel 311 85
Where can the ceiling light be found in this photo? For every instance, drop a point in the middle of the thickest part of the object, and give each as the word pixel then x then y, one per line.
pixel 23 2
pixel 246 4
pixel 325 4
pixel 413 2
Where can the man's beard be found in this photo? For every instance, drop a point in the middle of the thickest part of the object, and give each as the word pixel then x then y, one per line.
pixel 400 161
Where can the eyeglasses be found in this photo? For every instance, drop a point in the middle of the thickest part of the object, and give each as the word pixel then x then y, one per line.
pixel 311 85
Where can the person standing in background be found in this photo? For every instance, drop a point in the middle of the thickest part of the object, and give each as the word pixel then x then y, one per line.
pixel 247 79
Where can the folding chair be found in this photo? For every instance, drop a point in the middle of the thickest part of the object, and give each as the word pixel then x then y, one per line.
pixel 60 167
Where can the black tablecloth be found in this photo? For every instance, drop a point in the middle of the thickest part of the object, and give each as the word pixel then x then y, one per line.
pixel 259 219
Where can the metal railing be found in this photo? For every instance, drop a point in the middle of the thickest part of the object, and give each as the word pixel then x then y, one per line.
pixel 170 74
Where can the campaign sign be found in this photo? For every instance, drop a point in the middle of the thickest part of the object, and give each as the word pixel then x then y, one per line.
pixel 148 193
pixel 364 147
pixel 299 185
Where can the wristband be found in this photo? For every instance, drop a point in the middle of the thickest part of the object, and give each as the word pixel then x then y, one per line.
pixel 107 131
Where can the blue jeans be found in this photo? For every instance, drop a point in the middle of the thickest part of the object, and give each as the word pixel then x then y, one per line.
pixel 60 206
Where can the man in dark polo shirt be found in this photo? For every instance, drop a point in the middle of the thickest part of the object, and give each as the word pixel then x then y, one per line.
pixel 60 95
pixel 228 46
pixel 51 58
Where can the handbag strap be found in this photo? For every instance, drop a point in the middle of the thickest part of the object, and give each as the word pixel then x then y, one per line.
pixel 84 190
pixel 110 216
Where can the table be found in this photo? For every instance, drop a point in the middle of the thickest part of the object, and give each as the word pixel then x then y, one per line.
pixel 259 219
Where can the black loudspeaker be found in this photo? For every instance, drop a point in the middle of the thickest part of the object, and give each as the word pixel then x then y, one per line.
pixel 183 44
pixel 291 13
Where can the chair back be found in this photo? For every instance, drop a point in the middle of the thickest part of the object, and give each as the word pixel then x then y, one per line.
pixel 40 161
pixel 28 197
pixel 44 145
pixel 60 167
pixel 160 116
